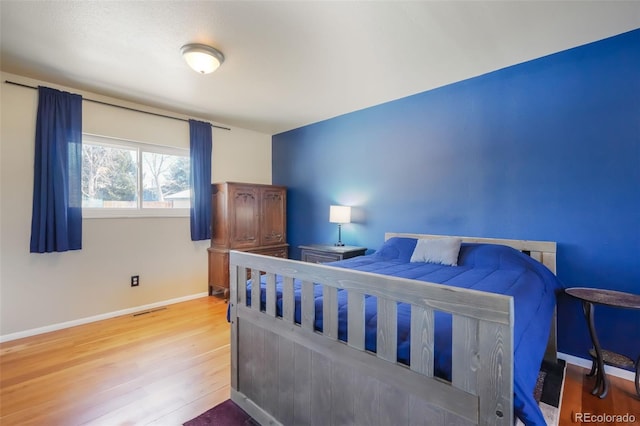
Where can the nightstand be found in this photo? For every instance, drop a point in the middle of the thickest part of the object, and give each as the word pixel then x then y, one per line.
pixel 323 253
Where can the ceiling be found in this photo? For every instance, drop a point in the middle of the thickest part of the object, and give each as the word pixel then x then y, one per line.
pixel 293 63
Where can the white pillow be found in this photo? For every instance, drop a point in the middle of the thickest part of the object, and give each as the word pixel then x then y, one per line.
pixel 437 250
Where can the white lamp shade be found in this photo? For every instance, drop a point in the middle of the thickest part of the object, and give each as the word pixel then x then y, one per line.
pixel 339 214
pixel 202 58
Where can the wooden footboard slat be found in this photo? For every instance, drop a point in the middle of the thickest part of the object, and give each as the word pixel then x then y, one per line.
pixel 308 306
pixel 464 353
pixel 394 407
pixel 271 295
pixel 320 388
pixel 240 276
pixel 342 403
pixel 255 289
pixel 288 397
pixel 355 320
pixel 330 311
pixel 302 384
pixel 422 321
pixel 367 405
pixel 495 382
pixel 257 360
pixel 269 381
pixel 245 370
pixel 387 342
pixel 288 300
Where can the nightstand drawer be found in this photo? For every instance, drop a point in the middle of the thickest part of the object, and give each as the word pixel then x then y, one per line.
pixel 319 253
pixel 316 257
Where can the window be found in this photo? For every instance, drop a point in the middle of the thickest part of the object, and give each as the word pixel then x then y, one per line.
pixel 124 178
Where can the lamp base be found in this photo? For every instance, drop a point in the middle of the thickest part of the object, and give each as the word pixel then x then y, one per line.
pixel 339 243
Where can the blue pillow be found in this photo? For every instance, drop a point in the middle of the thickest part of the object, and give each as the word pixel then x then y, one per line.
pixel 397 248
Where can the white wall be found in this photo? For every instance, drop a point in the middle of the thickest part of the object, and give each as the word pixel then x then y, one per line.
pixel 42 290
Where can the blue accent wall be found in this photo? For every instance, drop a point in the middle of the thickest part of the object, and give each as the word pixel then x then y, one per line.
pixel 545 150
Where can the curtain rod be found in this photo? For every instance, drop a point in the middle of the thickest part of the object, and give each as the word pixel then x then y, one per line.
pixel 120 106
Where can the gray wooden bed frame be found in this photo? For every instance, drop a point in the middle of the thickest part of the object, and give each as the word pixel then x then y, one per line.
pixel 288 373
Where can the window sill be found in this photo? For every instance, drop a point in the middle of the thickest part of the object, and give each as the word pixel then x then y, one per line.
pixel 132 213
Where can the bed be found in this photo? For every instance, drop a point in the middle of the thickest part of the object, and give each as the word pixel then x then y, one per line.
pixel 373 340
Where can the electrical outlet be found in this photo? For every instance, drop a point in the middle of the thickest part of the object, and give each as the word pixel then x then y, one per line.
pixel 135 280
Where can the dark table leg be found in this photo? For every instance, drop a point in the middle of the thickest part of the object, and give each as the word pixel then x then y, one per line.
pixel 594 368
pixel 602 383
pixel 638 376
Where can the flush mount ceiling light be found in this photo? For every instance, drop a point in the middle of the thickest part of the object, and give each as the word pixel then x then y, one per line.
pixel 202 58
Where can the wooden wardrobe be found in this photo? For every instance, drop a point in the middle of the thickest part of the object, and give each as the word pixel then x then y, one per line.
pixel 246 217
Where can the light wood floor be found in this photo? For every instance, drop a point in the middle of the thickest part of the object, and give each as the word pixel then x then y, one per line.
pixel 160 368
pixel 577 398
pixel 164 368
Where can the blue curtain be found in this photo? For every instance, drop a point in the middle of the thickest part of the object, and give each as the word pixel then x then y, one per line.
pixel 200 179
pixel 56 221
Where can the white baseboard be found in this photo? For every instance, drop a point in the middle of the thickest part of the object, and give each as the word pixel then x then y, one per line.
pixel 73 323
pixel 586 363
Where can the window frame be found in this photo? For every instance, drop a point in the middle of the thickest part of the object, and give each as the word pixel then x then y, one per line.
pixel 139 211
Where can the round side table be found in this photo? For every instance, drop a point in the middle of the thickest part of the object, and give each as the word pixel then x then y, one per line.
pixel 616 299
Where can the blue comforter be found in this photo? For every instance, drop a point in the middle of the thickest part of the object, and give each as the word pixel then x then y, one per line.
pixel 485 267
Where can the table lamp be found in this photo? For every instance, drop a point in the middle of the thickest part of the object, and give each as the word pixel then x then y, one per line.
pixel 339 215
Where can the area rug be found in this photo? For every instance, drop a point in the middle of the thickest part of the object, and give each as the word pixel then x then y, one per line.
pixel 548 393
pixel 227 413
